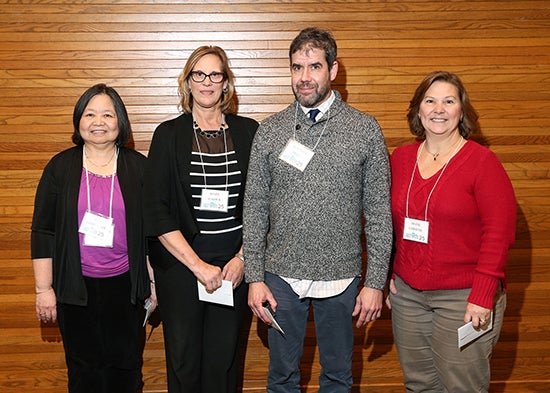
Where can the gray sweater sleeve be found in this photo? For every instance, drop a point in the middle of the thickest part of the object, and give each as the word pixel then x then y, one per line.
pixel 256 210
pixel 377 211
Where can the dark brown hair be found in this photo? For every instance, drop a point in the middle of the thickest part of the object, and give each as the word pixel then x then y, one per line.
pixel 315 38
pixel 468 123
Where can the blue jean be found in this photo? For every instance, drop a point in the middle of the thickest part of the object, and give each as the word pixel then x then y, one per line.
pixel 334 331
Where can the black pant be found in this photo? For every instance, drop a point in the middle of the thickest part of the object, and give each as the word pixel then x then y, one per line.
pixel 103 339
pixel 201 339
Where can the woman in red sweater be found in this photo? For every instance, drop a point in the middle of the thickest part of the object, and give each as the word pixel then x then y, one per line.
pixel 454 214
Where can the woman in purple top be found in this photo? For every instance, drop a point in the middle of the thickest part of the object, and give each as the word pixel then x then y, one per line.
pixel 88 250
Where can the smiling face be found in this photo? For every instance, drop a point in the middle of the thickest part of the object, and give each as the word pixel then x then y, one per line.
pixel 207 94
pixel 440 110
pixel 99 123
pixel 311 76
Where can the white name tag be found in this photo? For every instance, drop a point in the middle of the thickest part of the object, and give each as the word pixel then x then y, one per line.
pixel 98 230
pixel 296 154
pixel 214 200
pixel 416 230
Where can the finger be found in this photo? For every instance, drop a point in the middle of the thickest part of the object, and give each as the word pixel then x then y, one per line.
pixel 227 273
pixel 477 321
pixel 362 320
pixel 357 309
pixel 370 316
pixel 263 316
pixel 256 312
pixel 393 289
pixel 212 286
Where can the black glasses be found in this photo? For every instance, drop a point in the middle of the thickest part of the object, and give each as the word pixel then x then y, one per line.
pixel 215 77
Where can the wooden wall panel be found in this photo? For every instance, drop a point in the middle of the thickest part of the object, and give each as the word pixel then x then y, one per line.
pixel 52 50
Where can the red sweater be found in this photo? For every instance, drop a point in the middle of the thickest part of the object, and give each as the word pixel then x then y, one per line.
pixel 472 216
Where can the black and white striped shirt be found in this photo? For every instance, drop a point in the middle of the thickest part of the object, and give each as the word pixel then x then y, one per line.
pixel 215 167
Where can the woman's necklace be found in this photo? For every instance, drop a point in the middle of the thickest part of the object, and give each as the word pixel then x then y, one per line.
pixel 436 155
pixel 210 134
pixel 102 165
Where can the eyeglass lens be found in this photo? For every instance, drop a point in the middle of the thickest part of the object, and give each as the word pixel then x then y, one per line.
pixel 215 77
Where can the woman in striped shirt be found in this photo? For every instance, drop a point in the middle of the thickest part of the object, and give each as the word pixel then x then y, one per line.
pixel 193 216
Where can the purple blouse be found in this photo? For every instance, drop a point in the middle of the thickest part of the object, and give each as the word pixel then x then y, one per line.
pixel 103 261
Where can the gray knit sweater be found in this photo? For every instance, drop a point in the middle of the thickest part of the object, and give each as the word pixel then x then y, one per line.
pixel 307 225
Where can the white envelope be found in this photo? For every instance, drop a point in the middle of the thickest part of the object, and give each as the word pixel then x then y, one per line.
pixel 147 307
pixel 274 322
pixel 467 333
pixel 222 295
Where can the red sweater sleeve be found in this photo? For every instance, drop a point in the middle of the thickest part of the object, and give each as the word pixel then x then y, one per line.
pixel 496 203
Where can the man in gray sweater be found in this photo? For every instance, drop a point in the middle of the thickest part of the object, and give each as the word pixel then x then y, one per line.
pixel 311 178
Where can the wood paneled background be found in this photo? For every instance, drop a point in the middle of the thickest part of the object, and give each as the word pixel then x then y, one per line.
pixel 52 50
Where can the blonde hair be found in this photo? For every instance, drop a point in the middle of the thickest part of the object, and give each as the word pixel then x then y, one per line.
pixel 186 99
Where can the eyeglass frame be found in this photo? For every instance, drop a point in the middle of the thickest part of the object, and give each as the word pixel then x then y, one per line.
pixel 192 75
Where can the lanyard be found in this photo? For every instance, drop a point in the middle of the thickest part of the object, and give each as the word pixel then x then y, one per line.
pixel 202 161
pixel 322 132
pixel 112 182
pixel 435 184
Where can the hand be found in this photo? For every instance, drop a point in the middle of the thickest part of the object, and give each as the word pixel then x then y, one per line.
pixel 393 291
pixel 258 293
pixel 46 308
pixel 153 298
pixel 208 275
pixel 234 271
pixel 368 306
pixel 479 316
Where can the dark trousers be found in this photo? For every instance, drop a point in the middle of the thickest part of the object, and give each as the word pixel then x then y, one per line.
pixel 103 339
pixel 201 339
pixel 333 330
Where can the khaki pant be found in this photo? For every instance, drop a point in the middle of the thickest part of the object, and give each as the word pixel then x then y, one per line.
pixel 425 327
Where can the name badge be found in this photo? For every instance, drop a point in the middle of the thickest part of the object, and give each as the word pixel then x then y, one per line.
pixel 296 154
pixel 98 230
pixel 214 200
pixel 416 230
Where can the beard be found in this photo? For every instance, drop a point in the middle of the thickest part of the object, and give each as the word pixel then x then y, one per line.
pixel 311 101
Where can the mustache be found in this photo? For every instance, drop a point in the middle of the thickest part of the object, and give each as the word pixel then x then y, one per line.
pixel 306 84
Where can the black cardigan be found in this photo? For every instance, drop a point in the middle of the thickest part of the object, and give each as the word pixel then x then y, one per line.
pixel 55 223
pixel 168 199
